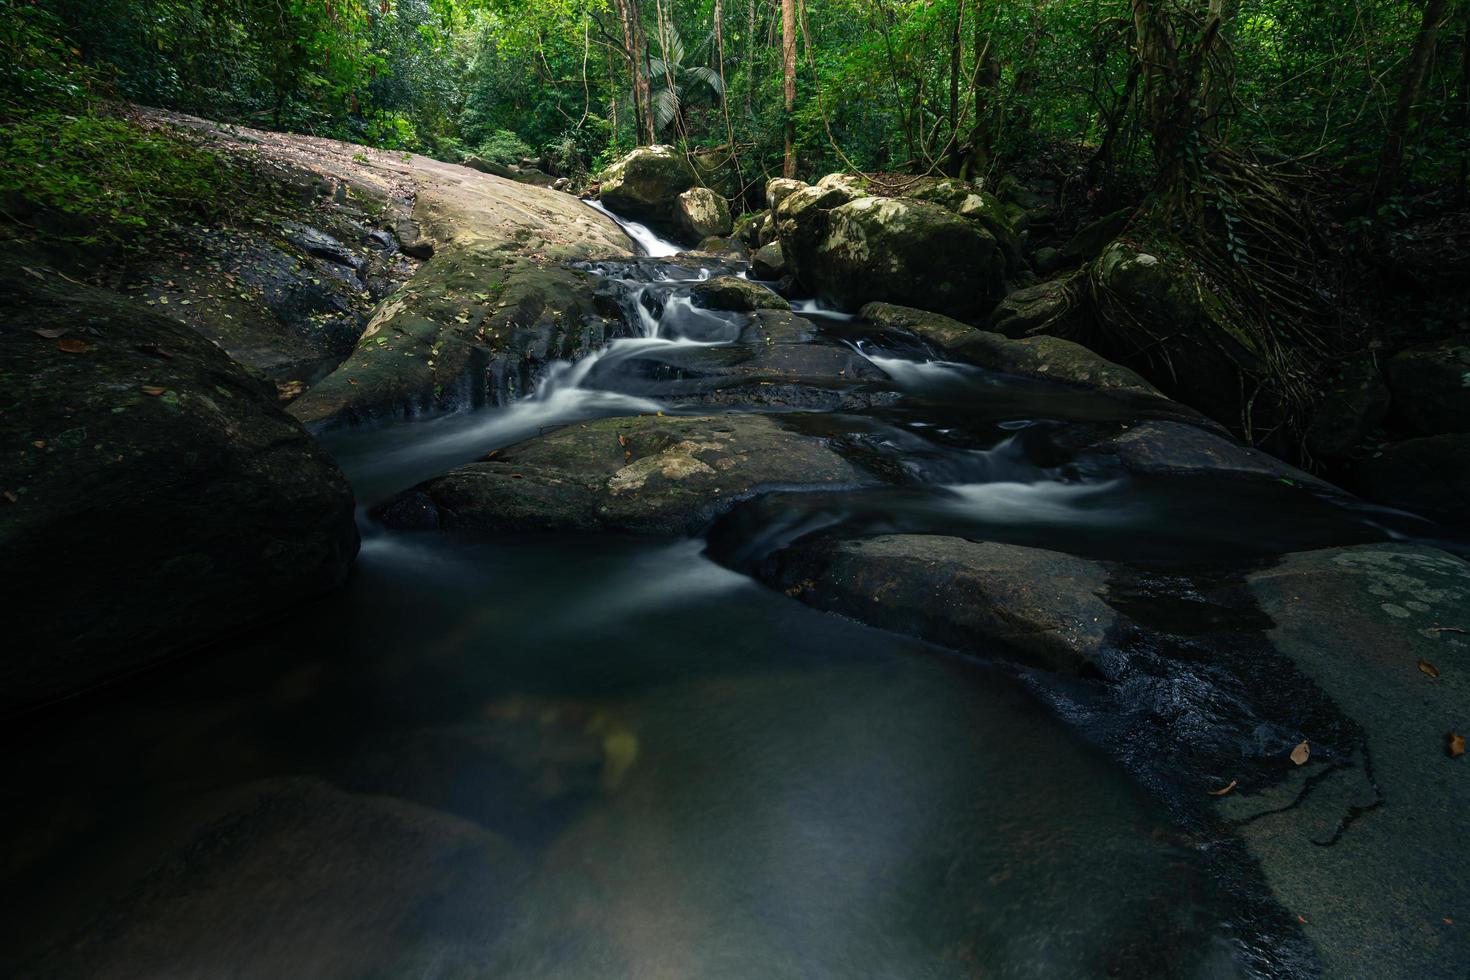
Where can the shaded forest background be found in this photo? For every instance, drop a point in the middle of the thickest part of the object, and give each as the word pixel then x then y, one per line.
pixel 966 87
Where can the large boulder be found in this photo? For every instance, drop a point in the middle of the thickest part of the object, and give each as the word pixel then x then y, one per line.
pixel 801 220
pixel 645 184
pixel 779 189
pixel 659 475
pixel 908 252
pixel 1429 475
pixel 1431 386
pixel 155 496
pixel 700 213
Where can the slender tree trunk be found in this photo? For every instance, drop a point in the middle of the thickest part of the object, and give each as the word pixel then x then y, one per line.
pixel 642 117
pixel 788 70
pixel 1391 160
pixel 1462 189
pixel 750 59
pixel 956 50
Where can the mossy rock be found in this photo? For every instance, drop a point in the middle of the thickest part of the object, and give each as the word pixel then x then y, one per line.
pixel 645 184
pixel 913 253
pixel 156 497
pixel 736 294
pixel 1431 386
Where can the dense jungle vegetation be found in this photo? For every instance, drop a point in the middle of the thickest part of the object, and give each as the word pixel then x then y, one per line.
pixel 1277 147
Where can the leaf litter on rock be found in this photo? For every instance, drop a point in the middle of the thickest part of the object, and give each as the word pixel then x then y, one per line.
pixel 1301 753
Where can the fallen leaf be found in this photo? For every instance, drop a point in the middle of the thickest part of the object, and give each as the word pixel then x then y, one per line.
pixel 1448 921
pixel 1428 668
pixel 1226 789
pixel 352 381
pixel 71 345
pixel 39 443
pixel 622 440
pixel 10 496
pixel 50 333
pixel 492 454
pixel 1302 919
pixel 1455 745
pixel 1301 753
pixel 32 272
pixel 153 390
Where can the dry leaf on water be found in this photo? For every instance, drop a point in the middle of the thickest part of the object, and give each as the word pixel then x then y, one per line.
pixel 153 390
pixel 1225 789
pixel 1428 668
pixel 49 334
pixel 72 345
pixel 1455 745
pixel 1301 753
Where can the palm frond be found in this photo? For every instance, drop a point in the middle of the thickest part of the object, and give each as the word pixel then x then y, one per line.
pixel 709 77
pixel 665 107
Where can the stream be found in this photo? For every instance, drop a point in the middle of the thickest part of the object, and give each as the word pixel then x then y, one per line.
pixel 600 757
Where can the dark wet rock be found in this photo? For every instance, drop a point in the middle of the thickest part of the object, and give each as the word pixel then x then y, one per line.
pixel 1043 308
pixel 963 594
pixel 700 213
pixel 734 293
pixel 1429 476
pixel 293 877
pixel 1169 448
pixel 492 167
pixel 774 365
pixel 1049 358
pixel 319 244
pixel 660 475
pixel 155 495
pixel 779 189
pixel 412 240
pixel 801 221
pixel 908 252
pixel 1339 835
pixel 1431 386
pixel 475 326
pixel 645 184
pixel 1047 260
pixel 768 263
pixel 1355 403
pixel 535 177
pixel 1089 242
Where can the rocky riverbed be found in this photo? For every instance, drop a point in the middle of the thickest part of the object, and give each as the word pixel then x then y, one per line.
pixel 640 522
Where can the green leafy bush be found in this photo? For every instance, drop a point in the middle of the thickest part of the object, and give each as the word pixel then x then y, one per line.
pixel 503 147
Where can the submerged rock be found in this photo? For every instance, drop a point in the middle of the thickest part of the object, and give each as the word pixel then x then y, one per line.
pixel 660 475
pixel 700 213
pixel 645 185
pixel 908 252
pixel 155 496
pixel 1431 386
pixel 1169 448
pixel 959 593
pixel 1429 475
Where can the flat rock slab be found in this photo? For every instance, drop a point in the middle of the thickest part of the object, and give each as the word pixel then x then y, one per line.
pixel 964 594
pixel 660 475
pixel 1370 856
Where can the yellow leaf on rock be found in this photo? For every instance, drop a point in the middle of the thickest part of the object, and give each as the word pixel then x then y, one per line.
pixel 1428 668
pixel 153 390
pixel 1455 745
pixel 1301 753
pixel 72 345
pixel 1225 789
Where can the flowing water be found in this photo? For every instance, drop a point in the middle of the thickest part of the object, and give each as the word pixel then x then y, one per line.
pixel 602 757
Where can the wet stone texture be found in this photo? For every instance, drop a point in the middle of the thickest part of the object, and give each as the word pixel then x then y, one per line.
pixel 645 475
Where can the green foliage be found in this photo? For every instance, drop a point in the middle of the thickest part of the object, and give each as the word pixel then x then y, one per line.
pixel 503 147
pixel 119 179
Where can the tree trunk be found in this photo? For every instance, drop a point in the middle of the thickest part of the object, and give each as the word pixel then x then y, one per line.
pixel 1391 161
pixel 632 41
pixel 788 70
pixel 956 51
pixel 750 59
pixel 1175 93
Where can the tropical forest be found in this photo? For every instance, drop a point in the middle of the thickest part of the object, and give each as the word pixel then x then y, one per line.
pixel 735 489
